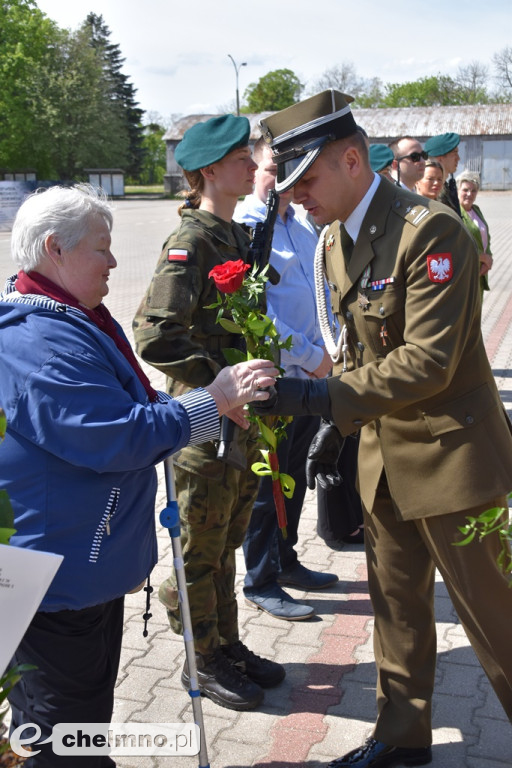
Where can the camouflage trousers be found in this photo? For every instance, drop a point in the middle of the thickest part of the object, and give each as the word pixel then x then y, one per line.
pixel 215 503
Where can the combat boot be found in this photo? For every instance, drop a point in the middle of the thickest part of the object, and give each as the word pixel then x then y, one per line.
pixel 223 682
pixel 262 671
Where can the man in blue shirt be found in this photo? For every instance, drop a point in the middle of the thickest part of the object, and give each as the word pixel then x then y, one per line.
pixel 271 561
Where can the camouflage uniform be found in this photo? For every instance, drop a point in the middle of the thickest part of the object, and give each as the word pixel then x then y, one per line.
pixel 177 335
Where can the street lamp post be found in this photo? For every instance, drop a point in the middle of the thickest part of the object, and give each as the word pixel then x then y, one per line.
pixel 237 69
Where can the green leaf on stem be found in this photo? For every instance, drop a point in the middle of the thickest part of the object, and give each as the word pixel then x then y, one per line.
pixel 267 435
pixel 229 325
pixel 233 355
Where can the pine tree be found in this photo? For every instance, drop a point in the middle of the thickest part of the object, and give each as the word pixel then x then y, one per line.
pixel 121 92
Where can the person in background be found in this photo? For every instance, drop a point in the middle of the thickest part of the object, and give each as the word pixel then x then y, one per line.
pixel 409 163
pixel 431 184
pixel 270 559
pixel 381 160
pixel 445 149
pixel 468 184
pixel 176 333
pixel 85 430
pixel 415 380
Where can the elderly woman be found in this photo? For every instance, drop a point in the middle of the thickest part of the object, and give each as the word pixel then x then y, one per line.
pixel 431 183
pixel 85 430
pixel 468 184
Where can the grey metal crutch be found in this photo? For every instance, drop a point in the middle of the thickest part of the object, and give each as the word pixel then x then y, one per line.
pixel 170 519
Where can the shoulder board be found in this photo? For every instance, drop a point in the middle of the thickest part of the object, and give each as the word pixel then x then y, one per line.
pixel 412 213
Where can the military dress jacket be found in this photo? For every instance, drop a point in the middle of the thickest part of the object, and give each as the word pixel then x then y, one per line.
pixel 172 329
pixel 418 382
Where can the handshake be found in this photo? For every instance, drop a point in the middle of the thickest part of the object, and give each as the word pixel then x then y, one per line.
pixel 294 397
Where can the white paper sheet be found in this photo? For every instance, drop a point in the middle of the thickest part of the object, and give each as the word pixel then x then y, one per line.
pixel 25 576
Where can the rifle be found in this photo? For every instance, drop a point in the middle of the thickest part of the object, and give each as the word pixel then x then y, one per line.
pixel 261 243
pixel 259 255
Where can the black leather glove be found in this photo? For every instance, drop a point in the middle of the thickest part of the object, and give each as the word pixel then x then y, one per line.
pixel 323 455
pixel 295 397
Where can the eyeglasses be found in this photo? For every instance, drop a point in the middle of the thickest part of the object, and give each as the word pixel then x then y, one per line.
pixel 414 156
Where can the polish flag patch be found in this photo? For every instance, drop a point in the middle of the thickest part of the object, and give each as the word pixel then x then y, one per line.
pixel 177 254
pixel 440 267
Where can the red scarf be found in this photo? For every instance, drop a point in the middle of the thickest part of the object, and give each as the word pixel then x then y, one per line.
pixel 100 316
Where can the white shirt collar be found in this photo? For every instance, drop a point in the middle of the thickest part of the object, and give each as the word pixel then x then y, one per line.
pixel 355 220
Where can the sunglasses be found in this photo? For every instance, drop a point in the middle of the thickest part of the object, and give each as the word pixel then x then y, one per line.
pixel 415 156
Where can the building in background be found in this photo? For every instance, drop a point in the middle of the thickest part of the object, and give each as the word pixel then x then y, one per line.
pixel 485 131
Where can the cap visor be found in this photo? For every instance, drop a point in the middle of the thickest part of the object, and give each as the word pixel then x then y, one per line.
pixel 289 172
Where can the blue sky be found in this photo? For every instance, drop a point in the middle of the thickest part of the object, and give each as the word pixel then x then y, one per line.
pixel 176 51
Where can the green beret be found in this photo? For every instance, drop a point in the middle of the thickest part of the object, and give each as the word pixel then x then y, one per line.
pixel 380 157
pixel 298 133
pixel 437 146
pixel 208 142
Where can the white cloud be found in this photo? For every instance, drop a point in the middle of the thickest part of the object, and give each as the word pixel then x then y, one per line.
pixel 177 54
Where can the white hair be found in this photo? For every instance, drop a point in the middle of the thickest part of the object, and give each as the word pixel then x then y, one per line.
pixel 472 176
pixel 64 212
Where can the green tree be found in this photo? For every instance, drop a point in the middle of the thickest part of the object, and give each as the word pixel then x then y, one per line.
pixel 435 91
pixel 64 103
pixel 274 91
pixel 121 93
pixel 154 159
pixel 27 43
pixel 371 95
pixel 79 128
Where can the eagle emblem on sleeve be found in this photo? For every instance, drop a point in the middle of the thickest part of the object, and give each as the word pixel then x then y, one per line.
pixel 440 267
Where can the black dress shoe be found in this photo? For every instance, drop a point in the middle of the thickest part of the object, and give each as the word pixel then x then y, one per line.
pixel 375 754
pixel 223 682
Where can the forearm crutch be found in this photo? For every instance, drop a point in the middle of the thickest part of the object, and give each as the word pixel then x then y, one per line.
pixel 170 519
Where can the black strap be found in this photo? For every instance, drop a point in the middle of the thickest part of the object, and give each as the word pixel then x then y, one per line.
pixel 147 615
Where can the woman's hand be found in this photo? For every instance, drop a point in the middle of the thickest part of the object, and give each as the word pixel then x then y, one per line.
pixel 485 263
pixel 242 383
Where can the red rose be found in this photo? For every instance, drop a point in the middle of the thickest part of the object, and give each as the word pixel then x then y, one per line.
pixel 229 277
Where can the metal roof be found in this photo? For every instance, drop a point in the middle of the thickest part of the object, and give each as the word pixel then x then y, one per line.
pixel 420 122
pixel 178 128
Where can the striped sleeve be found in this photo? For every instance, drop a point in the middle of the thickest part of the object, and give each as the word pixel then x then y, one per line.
pixel 203 415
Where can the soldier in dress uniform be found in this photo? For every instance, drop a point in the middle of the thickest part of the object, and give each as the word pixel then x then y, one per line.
pixel 176 334
pixel 414 379
pixel 445 149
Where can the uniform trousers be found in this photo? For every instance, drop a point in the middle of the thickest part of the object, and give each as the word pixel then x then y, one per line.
pixel 215 502
pixel 402 557
pixel 77 658
pixel 266 552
